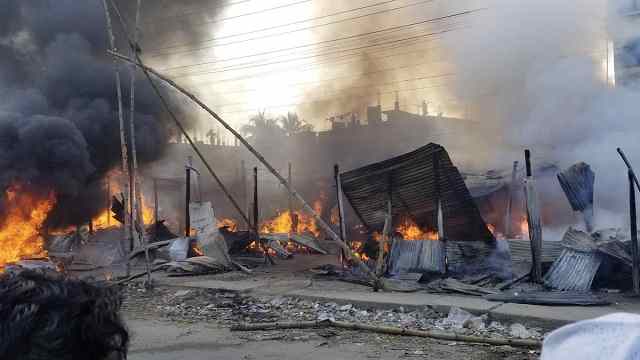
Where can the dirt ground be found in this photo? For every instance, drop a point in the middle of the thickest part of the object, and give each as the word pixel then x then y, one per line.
pixel 173 323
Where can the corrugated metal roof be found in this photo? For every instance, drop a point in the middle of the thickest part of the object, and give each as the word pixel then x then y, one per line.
pixel 416 256
pixel 574 270
pixel 461 255
pixel 520 250
pixel 411 180
pixel 577 183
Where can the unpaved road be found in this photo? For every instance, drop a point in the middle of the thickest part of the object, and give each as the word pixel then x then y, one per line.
pixel 160 340
pixel 158 336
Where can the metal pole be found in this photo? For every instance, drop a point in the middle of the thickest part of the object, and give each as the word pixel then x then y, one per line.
pixel 245 191
pixel 634 235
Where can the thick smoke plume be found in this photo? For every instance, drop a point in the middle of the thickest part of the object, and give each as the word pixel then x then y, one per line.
pixel 534 75
pixel 58 117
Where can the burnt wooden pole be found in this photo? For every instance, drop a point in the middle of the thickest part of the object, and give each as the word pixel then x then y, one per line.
pixel 533 220
pixel 187 219
pixel 634 235
pixel 511 191
pixel 341 220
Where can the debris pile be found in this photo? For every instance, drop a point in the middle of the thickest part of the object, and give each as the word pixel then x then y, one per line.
pixel 228 308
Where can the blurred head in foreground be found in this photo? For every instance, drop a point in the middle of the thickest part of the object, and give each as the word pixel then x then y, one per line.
pixel 47 316
pixel 611 337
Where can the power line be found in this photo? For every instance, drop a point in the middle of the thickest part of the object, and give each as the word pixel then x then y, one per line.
pixel 189 13
pixel 389 83
pixel 316 55
pixel 253 12
pixel 289 32
pixel 327 41
pixel 360 75
pixel 274 27
pixel 331 50
pixel 307 67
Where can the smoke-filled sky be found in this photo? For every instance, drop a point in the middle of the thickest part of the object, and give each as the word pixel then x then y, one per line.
pixel 531 73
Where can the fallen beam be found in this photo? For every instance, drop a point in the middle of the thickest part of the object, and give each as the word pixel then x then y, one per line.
pixel 440 335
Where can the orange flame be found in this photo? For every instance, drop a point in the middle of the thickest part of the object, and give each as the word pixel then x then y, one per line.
pixel 20 228
pixel 283 223
pixel 411 231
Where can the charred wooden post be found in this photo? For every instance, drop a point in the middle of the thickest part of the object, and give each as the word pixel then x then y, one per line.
pixel 187 192
pixel 439 213
pixel 384 238
pixel 634 235
pixel 256 219
pixel 245 191
pixel 305 205
pixel 533 220
pixel 155 210
pixel 290 200
pixel 341 220
pixel 108 201
pixel 512 186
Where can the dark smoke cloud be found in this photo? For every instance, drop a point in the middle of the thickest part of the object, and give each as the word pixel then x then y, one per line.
pixel 58 120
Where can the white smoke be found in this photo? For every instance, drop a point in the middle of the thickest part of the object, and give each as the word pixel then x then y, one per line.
pixel 533 74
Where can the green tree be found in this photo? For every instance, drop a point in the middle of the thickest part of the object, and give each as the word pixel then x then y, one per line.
pixel 291 124
pixel 261 127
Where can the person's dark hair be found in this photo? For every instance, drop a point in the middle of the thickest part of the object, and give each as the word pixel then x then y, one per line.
pixel 47 316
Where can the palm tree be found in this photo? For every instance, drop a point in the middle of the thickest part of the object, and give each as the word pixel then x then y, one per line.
pixel 260 126
pixel 291 124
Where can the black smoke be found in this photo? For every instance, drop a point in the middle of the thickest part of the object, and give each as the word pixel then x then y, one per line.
pixel 59 128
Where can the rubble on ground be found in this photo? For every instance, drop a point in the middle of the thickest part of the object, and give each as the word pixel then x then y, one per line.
pixel 226 308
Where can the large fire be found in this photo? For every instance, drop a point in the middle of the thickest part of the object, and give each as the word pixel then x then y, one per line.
pixel 105 220
pixel 21 224
pixel 411 231
pixel 297 222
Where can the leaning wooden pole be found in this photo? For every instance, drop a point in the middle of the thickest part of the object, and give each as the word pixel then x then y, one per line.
pixel 329 231
pixel 127 236
pixel 634 235
pixel 533 219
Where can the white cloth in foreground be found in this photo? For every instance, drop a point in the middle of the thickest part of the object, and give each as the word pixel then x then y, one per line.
pixel 611 337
